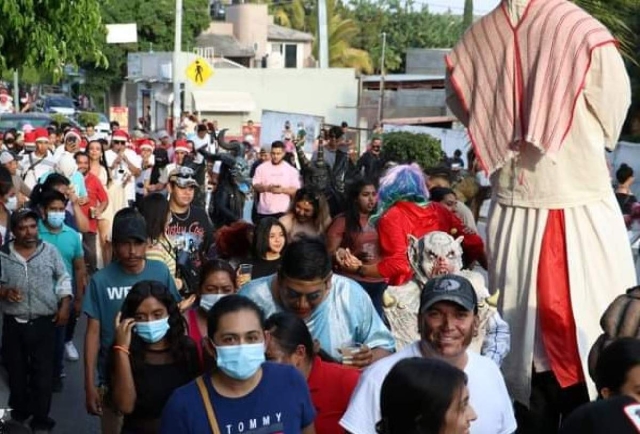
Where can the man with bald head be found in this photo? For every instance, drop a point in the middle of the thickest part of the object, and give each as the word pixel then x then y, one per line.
pixel 543 91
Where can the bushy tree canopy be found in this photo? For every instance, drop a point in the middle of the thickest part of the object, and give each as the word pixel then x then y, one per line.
pixel 50 34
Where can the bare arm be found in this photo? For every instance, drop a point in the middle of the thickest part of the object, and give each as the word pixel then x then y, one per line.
pixel 309 430
pixel 82 222
pixel 91 348
pixel 124 388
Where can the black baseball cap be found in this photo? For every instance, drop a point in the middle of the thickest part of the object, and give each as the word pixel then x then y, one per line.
pixel 449 287
pixel 129 224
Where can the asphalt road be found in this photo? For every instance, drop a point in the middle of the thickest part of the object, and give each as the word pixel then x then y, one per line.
pixel 67 407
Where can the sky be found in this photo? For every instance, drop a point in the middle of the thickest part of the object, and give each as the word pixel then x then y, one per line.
pixel 480 7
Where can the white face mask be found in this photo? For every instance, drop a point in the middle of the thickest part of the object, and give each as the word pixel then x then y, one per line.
pixel 208 300
pixel 12 203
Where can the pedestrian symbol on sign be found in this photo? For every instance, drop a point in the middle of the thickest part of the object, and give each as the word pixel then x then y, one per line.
pixel 199 71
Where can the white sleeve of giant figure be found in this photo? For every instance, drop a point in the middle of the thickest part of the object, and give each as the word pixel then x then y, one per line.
pixel 608 91
pixel 497 340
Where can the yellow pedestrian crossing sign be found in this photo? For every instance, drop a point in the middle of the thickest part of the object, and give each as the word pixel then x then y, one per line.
pixel 199 71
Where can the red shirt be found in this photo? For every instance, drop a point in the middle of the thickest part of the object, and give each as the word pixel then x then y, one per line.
pixel 408 218
pixel 97 195
pixel 331 386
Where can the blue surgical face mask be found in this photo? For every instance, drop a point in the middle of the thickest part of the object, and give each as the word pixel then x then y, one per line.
pixel 240 361
pixel 208 300
pixel 55 218
pixel 152 331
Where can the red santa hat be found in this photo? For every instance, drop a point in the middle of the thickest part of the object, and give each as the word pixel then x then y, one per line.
pixel 182 145
pixel 120 135
pixel 30 137
pixel 145 144
pixel 41 134
pixel 73 133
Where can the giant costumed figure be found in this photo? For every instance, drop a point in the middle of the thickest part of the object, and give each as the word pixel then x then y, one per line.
pixel 543 91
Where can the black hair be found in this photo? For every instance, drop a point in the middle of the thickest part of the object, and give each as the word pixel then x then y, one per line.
pixel 277 144
pixel 89 125
pixel 344 124
pixel 306 258
pixel 320 206
pixel 290 332
pixel 335 133
pixel 623 173
pixel 180 345
pixel 416 395
pixel 6 182
pixel 103 158
pixel 457 153
pixel 615 362
pixel 437 194
pixel 231 304
pixel 114 124
pixel 352 225
pixel 155 210
pixel 50 196
pixel 81 154
pixel 213 266
pixel 261 236
pixel 53 180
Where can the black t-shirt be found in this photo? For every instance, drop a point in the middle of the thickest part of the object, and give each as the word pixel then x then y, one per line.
pixel 191 231
pixel 626 202
pixel 154 385
pixel 619 415
pixel 263 267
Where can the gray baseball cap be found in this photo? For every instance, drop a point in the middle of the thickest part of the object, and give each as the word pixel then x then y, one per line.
pixel 449 287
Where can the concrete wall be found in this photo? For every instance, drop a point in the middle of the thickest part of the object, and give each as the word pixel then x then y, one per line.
pixel 331 93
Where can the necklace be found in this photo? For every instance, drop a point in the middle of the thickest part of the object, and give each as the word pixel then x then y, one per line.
pixel 174 215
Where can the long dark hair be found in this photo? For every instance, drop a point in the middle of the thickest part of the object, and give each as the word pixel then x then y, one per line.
pixel 416 395
pixel 103 158
pixel 180 345
pixel 352 225
pixel 53 180
pixel 261 236
pixel 155 210
pixel 290 332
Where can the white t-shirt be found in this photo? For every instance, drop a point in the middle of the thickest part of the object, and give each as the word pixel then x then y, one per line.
pixel 44 165
pixel 487 395
pixel 121 174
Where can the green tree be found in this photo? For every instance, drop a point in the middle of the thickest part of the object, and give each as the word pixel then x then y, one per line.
pixel 404 148
pixel 467 16
pixel 50 34
pixel 156 23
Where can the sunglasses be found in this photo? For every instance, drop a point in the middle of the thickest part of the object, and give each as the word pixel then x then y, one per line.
pixel 118 142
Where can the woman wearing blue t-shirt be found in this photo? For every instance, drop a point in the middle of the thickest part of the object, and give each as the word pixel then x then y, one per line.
pixel 151 357
pixel 244 393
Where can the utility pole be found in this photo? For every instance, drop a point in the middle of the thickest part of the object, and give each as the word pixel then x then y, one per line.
pixel 16 91
pixel 323 36
pixel 381 99
pixel 175 73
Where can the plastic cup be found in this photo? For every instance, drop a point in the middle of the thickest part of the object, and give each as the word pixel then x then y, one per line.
pixel 348 350
pixel 245 269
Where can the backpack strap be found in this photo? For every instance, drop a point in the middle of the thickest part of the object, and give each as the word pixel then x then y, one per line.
pixel 204 394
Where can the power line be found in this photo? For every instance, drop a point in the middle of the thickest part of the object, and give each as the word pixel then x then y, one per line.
pixel 447 6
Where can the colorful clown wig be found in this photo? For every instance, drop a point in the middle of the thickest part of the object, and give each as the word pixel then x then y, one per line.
pixel 404 182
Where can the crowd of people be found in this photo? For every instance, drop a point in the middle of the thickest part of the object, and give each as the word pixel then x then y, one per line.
pixel 351 297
